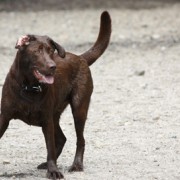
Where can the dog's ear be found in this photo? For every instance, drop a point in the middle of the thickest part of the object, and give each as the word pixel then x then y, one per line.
pixel 59 48
pixel 24 41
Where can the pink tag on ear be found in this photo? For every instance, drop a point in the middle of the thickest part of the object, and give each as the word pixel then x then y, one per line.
pixel 23 40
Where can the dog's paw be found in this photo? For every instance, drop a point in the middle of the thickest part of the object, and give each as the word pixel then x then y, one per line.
pixel 53 172
pixel 54 175
pixel 76 167
pixel 42 166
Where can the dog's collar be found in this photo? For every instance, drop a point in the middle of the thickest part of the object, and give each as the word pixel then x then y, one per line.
pixel 32 88
pixel 32 93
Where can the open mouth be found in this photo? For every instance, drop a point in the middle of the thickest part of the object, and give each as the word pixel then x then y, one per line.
pixel 48 79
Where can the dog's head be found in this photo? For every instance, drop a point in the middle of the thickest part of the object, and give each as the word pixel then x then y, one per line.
pixel 37 56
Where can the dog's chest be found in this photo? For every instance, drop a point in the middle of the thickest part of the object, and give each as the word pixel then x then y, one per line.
pixel 33 118
pixel 29 115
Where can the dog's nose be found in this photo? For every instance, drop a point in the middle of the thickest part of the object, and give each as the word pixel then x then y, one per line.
pixel 52 66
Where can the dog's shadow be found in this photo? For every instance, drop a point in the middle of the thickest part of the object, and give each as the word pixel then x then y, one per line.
pixel 25 175
pixel 15 175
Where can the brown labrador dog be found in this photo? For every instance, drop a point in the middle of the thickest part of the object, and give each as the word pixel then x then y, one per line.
pixel 40 85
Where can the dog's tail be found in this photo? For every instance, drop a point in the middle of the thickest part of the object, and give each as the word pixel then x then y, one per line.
pixel 102 41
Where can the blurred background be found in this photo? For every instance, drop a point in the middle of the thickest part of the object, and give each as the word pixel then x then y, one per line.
pixel 24 5
pixel 133 127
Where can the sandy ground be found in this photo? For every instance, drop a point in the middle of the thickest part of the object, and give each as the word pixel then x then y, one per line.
pixel 133 127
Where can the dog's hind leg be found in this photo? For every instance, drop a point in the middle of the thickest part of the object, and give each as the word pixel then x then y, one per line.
pixel 60 139
pixel 3 125
pixel 80 115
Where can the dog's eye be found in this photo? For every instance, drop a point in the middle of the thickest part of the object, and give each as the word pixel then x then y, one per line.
pixel 51 51
pixel 38 51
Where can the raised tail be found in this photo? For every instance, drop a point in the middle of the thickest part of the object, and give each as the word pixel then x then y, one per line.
pixel 102 41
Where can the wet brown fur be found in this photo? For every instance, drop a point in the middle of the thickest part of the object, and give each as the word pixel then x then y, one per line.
pixel 72 85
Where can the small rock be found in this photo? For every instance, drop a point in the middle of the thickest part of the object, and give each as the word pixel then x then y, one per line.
pixel 140 73
pixel 163 48
pixel 122 37
pixel 155 36
pixel 174 137
pixel 144 26
pixel 127 123
pixel 145 86
pixel 6 162
pixel 156 118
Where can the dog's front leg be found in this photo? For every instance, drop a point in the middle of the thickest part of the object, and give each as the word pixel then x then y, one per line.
pixel 4 122
pixel 48 130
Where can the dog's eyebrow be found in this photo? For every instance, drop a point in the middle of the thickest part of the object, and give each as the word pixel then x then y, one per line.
pixel 50 48
pixel 40 46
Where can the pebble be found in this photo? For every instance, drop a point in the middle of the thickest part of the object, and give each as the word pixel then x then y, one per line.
pixel 156 118
pixel 174 137
pixel 155 36
pixel 6 162
pixel 140 73
pixel 163 48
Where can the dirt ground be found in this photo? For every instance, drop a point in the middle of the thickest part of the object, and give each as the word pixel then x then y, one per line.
pixel 133 127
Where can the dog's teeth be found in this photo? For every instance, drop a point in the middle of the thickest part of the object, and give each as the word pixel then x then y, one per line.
pixel 39 73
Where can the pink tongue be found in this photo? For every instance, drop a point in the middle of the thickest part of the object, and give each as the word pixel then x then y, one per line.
pixel 47 79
